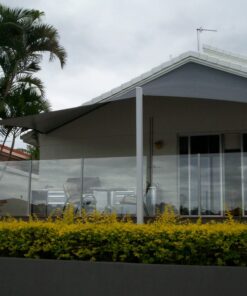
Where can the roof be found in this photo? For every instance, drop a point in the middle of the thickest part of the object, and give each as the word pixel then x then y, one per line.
pixel 225 55
pixel 154 84
pixel 232 66
pixel 16 154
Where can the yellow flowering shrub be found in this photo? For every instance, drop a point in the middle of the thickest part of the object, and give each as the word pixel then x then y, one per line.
pixel 100 237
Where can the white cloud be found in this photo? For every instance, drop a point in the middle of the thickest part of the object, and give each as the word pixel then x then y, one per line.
pixel 111 41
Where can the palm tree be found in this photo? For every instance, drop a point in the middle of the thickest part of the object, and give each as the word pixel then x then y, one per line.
pixel 22 102
pixel 24 40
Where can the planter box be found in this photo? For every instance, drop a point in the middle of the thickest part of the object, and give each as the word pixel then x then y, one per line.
pixel 59 278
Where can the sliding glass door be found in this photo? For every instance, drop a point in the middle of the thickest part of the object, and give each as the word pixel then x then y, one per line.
pixel 233 181
pixel 244 173
pixel 200 175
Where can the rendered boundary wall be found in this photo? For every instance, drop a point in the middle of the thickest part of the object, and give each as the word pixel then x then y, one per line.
pixel 52 277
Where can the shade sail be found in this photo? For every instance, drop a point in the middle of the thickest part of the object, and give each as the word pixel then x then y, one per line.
pixel 46 122
pixel 190 80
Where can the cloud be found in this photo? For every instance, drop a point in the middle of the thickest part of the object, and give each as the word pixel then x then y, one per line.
pixel 110 42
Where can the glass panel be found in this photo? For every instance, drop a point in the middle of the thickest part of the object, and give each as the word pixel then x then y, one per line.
pixel 200 175
pixel 184 184
pixel 244 170
pixel 184 145
pixel 205 144
pixel 233 183
pixel 14 188
pixel 245 180
pixel 210 178
pixel 109 185
pixel 200 193
pixel 199 144
pixel 194 184
pixel 54 184
pixel 165 182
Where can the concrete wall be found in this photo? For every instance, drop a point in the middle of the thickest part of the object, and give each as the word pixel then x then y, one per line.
pixel 50 277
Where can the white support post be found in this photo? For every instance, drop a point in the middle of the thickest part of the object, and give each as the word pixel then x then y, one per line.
pixel 139 155
pixel 30 187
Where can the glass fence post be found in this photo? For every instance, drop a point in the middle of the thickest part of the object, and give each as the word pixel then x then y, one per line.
pixel 199 183
pixel 242 183
pixel 82 179
pixel 29 187
pixel 139 156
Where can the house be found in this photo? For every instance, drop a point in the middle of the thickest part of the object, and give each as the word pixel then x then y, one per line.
pixel 16 154
pixel 176 135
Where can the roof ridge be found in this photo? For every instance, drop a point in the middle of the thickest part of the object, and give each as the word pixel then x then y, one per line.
pixel 223 53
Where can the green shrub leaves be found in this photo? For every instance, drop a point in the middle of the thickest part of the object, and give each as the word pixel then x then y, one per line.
pixel 110 240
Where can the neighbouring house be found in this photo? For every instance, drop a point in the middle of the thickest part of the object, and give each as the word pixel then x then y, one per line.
pixel 14 155
pixel 176 135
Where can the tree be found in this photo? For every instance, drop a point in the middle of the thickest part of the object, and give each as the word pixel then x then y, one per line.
pixel 33 151
pixel 24 40
pixel 22 102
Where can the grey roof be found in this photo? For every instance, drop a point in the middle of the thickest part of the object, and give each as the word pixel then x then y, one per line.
pixel 191 74
pixel 190 56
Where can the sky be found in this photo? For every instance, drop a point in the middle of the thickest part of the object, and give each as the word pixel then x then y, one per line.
pixel 112 41
pixel 109 42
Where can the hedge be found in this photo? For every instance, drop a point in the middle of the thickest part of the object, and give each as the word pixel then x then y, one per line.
pixel 159 242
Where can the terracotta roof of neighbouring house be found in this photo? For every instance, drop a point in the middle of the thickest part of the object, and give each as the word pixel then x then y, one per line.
pixel 16 154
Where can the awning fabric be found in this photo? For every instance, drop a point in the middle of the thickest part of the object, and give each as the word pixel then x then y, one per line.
pixel 46 122
pixel 190 80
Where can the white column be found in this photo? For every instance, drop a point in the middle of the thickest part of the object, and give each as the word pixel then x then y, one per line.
pixel 139 155
pixel 30 187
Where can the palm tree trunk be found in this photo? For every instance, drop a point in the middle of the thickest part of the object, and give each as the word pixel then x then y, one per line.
pixel 5 139
pixel 10 152
pixel 12 145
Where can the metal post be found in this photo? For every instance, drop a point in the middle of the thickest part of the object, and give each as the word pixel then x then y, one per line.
pixel 199 31
pixel 139 155
pixel 150 154
pixel 199 183
pixel 82 185
pixel 198 39
pixel 242 175
pixel 30 188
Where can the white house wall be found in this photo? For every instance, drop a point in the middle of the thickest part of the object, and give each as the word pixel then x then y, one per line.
pixel 104 132
pixel 110 130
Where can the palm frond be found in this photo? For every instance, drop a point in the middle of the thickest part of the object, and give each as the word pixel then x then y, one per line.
pixel 45 38
pixel 24 39
pixel 28 81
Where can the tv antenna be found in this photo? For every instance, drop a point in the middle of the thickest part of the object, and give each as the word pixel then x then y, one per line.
pixel 199 31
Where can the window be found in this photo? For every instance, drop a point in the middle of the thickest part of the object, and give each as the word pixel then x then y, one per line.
pixel 200 175
pixel 233 173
